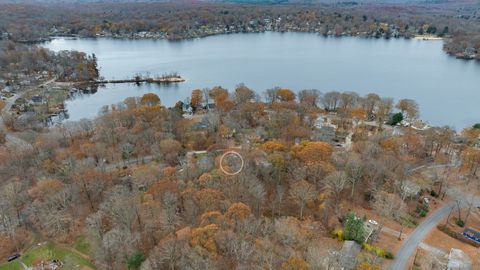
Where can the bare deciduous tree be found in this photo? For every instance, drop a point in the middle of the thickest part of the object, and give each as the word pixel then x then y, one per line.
pixel 302 193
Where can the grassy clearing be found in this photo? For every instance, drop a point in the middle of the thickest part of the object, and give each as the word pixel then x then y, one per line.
pixel 48 251
pixel 82 245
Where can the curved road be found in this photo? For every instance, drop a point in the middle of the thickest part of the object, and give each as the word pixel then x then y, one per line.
pixel 10 137
pixel 408 247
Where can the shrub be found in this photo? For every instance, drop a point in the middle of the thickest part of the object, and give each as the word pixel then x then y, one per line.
pixel 134 261
pixel 354 228
pixel 476 126
pixel 389 255
pixel 457 236
pixel 422 210
pixel 460 223
pixel 338 234
pixel 378 251
pixel 367 266
pixel 295 263
pixel 396 118
pixel 368 196
pixel 447 230
pixel 433 193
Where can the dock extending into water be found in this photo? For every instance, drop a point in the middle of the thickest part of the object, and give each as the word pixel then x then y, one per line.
pixel 169 79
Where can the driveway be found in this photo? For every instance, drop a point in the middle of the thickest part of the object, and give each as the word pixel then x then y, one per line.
pixel 409 246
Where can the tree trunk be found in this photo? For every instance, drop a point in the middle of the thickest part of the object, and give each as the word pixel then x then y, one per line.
pixel 440 188
pixel 448 217
pixel 459 212
pixel 468 213
pixel 353 190
pixel 273 210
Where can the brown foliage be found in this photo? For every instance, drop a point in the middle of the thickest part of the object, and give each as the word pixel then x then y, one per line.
pixel 358 113
pixel 206 180
pixel 408 107
pixel 170 149
pixel 150 99
pixel 221 99
pixel 196 98
pixel 212 217
pixel 209 199
pixel 45 188
pixel 238 211
pixel 205 237
pixel 391 144
pixel 471 159
pixel 243 94
pixel 367 266
pixel 285 95
pixel 272 146
pixel 313 152
pixel 295 263
pixel 158 189
pixel 169 171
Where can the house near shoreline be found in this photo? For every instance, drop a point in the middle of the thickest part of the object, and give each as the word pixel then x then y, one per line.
pixel 324 130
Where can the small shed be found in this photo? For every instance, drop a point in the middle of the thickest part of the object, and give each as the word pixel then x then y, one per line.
pixel 37 99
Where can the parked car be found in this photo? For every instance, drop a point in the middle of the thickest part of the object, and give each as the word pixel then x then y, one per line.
pixel 373 222
pixel 13 257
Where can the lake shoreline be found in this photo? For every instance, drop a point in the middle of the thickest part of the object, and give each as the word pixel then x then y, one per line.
pixel 295 61
pixel 133 36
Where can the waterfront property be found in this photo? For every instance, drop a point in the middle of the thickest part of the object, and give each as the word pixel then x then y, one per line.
pixel 444 87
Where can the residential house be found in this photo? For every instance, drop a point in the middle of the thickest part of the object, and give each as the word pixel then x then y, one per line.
pixel 36 100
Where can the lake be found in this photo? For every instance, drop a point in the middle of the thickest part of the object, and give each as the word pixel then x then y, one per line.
pixel 447 89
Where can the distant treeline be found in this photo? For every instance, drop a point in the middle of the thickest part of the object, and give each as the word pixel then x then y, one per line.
pixel 26 22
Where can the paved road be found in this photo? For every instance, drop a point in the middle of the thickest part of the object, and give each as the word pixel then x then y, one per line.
pixel 11 138
pixel 408 248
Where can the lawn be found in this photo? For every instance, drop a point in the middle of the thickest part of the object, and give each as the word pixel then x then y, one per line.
pixel 46 252
pixel 82 245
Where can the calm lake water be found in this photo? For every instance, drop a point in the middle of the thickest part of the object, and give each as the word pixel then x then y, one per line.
pixel 447 89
